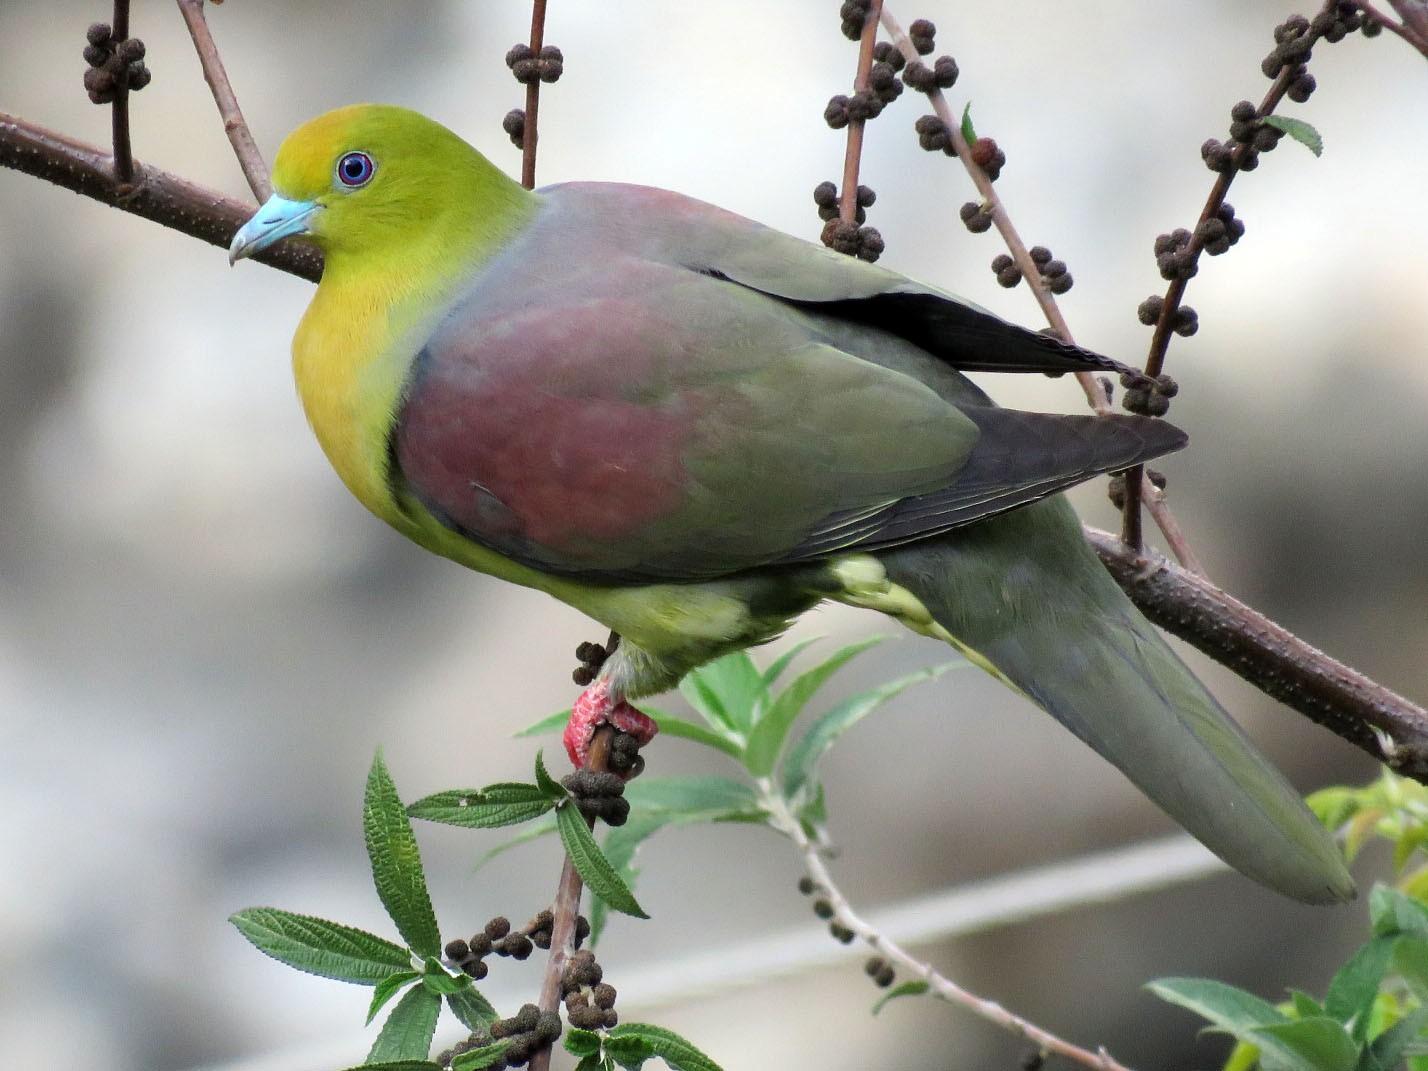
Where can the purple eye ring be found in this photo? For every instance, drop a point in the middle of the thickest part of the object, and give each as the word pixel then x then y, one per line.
pixel 355 169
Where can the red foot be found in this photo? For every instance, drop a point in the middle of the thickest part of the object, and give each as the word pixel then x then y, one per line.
pixel 595 708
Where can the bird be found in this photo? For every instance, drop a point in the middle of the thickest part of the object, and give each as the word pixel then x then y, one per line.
pixel 693 428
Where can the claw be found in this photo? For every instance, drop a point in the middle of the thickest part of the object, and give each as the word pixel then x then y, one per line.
pixel 597 707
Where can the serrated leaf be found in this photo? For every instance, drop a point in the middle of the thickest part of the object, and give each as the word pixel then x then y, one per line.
pixel 549 787
pixel 399 1065
pixel 630 1051
pixel 396 863
pixel 1299 130
pixel 914 988
pixel 969 132
pixel 730 743
pixel 594 1062
pixel 485 1056
pixel 802 759
pixel 320 947
pixel 1355 985
pixel 386 989
pixel 471 1008
pixel 505 804
pixel 1309 1045
pixel 674 1050
pixel 770 733
pixel 407 1033
pixel 581 1042
pixel 594 869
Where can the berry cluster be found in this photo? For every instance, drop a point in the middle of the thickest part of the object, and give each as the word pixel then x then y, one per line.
pixel 497 937
pixel 853 16
pixel 114 65
pixel 528 67
pixel 589 1001
pixel 825 196
pixel 1146 395
pixel 600 794
pixel 852 238
pixel 1185 323
pixel 1116 486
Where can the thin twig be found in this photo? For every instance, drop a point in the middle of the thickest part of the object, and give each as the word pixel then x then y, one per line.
pixel 250 159
pixel 992 204
pixel 853 154
pixel 154 194
pixel 566 908
pixel 530 134
pixel 119 109
pixel 938 984
pixel 1389 727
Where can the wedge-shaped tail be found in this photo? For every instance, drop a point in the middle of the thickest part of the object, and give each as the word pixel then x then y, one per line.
pixel 1041 609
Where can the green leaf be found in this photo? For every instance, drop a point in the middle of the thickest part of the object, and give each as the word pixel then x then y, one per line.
pixel 399 1065
pixel 1335 805
pixel 668 1046
pixel 1355 986
pixel 594 1062
pixel 730 743
pixel 396 863
pixel 594 869
pixel 725 691
pixel 767 737
pixel 779 664
pixel 407 1033
pixel 580 1042
pixel 1305 1006
pixel 485 1056
pixel 692 795
pixel 1394 1043
pixel 1299 130
pixel 1390 912
pixel 630 1051
pixel 549 787
pixel 1229 1008
pixel 1410 960
pixel 969 133
pixel 387 988
pixel 504 804
pixel 798 767
pixel 320 947
pixel 469 1006
pixel 440 982
pixel 1309 1044
pixel 914 988
pixel 548 724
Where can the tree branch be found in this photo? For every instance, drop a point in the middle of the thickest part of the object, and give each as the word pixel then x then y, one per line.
pixel 154 194
pixel 1389 727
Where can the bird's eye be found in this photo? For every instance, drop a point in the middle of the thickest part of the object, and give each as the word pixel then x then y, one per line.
pixel 355 170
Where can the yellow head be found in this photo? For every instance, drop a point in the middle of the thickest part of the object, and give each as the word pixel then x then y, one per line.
pixel 374 179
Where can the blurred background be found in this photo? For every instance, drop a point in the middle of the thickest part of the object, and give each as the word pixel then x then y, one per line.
pixel 203 638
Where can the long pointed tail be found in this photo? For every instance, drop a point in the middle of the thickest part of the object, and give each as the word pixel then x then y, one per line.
pixel 1025 592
